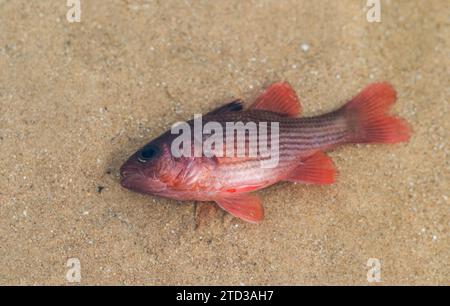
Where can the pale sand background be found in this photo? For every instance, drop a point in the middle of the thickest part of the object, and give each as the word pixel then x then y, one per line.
pixel 77 99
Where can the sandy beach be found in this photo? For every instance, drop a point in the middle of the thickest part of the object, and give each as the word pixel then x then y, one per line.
pixel 76 99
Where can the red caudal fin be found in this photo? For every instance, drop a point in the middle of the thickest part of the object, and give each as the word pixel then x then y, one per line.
pixel 244 206
pixel 278 98
pixel 368 119
pixel 316 169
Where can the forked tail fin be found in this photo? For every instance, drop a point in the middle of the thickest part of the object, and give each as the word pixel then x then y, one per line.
pixel 368 118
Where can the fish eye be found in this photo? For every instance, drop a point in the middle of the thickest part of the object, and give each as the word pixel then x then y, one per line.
pixel 147 153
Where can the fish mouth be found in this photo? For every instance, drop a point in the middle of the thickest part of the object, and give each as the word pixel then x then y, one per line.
pixel 133 179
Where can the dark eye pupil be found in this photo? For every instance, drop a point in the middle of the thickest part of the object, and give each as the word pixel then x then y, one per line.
pixel 147 153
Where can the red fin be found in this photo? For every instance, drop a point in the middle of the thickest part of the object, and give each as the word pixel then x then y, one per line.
pixel 368 118
pixel 278 98
pixel 316 169
pixel 244 206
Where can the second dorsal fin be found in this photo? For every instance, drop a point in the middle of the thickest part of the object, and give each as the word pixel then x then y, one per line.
pixel 279 98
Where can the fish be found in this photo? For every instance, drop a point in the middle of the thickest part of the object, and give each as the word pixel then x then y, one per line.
pixel 302 143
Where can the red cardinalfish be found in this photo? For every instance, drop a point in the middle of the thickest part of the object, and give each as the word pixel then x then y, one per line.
pixel 228 181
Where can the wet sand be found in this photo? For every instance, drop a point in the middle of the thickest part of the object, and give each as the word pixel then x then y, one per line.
pixel 77 99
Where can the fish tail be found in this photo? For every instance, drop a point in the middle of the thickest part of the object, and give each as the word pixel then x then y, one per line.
pixel 368 119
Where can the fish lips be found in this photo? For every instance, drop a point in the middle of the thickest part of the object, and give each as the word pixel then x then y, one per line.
pixel 133 182
pixel 133 179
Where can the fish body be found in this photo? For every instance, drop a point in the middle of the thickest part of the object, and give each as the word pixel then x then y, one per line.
pixel 301 142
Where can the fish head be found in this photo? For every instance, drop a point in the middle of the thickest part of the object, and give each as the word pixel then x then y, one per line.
pixel 150 170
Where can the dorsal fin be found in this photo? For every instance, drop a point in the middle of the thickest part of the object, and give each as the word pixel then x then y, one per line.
pixel 279 98
pixel 234 106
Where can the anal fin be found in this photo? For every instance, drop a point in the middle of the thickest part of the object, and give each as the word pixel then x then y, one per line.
pixel 316 169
